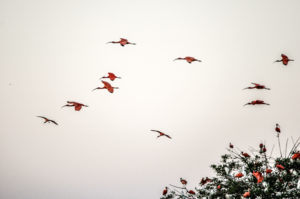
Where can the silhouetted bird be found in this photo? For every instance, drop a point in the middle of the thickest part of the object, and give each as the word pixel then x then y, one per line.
pixel 161 134
pixel 122 42
pixel 47 120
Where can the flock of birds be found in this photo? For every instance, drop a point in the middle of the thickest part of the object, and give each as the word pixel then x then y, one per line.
pixel 111 76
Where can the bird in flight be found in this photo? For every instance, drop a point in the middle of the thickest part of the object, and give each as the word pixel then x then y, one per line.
pixel 48 120
pixel 188 59
pixel 256 102
pixel 161 134
pixel 284 59
pixel 257 86
pixel 122 42
pixel 106 86
pixel 111 76
pixel 76 105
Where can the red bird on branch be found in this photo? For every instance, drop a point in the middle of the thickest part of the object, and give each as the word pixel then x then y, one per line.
pixel 246 194
pixel 246 155
pixel 191 192
pixel 111 76
pixel 231 146
pixel 76 105
pixel 239 175
pixel 205 180
pixel 161 134
pixel 269 170
pixel 165 191
pixel 296 155
pixel 284 59
pixel 258 176
pixel 257 86
pixel 106 86
pixel 188 59
pixel 183 181
pixel 48 120
pixel 256 102
pixel 279 166
pixel 277 129
pixel 122 42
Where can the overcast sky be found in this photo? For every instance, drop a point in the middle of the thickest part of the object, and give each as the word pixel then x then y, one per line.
pixel 54 51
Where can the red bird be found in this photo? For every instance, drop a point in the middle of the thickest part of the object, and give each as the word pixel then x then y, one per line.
pixel 165 191
pixel 205 180
pixel 246 194
pixel 255 102
pixel 258 176
pixel 284 59
pixel 219 187
pixel 47 120
pixel 183 181
pixel 239 175
pixel 191 192
pixel 76 105
pixel 111 76
pixel 161 134
pixel 257 86
pixel 231 146
pixel 279 166
pixel 106 86
pixel 188 59
pixel 277 129
pixel 122 42
pixel 246 155
pixel 269 170
pixel 296 156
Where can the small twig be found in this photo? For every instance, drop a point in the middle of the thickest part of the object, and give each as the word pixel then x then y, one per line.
pixel 272 151
pixel 279 146
pixel 286 143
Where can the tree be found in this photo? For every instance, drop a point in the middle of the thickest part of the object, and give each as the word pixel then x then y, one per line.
pixel 240 175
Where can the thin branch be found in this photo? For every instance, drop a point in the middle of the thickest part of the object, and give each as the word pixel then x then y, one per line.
pixel 279 146
pixel 286 143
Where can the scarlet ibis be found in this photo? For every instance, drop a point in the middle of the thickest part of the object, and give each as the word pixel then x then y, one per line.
pixel 231 146
pixel 279 166
pixel 47 120
pixel 183 181
pixel 161 134
pixel 191 192
pixel 165 191
pixel 246 155
pixel 258 176
pixel 106 86
pixel 239 175
pixel 122 42
pixel 205 180
pixel 257 86
pixel 269 170
pixel 246 194
pixel 284 59
pixel 256 102
pixel 219 187
pixel 277 129
pixel 188 59
pixel 296 156
pixel 76 105
pixel 111 76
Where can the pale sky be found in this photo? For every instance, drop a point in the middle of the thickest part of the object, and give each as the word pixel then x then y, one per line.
pixel 54 51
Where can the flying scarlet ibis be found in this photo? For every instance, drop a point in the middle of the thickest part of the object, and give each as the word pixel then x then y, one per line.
pixel 258 176
pixel 296 156
pixel 188 59
pixel 183 181
pixel 106 86
pixel 239 175
pixel 48 120
pixel 191 192
pixel 284 59
pixel 161 134
pixel 111 76
pixel 76 105
pixel 246 155
pixel 165 191
pixel 122 42
pixel 257 86
pixel 256 102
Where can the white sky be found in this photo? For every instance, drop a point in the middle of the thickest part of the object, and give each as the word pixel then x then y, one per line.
pixel 54 51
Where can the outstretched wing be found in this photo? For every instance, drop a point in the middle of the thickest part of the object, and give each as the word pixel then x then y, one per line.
pixel 157 131
pixel 53 122
pixel 255 84
pixel 168 136
pixel 43 117
pixel 284 56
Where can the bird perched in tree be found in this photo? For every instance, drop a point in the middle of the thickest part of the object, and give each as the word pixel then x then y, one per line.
pixel 269 170
pixel 246 155
pixel 279 166
pixel 257 86
pixel 256 102
pixel 165 191
pixel 231 146
pixel 246 194
pixel 277 129
pixel 284 59
pixel 122 42
pixel 76 105
pixel 191 192
pixel 239 175
pixel 106 86
pixel 258 176
pixel 205 180
pixel 188 59
pixel 296 155
pixel 161 134
pixel 111 76
pixel 183 181
pixel 48 120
